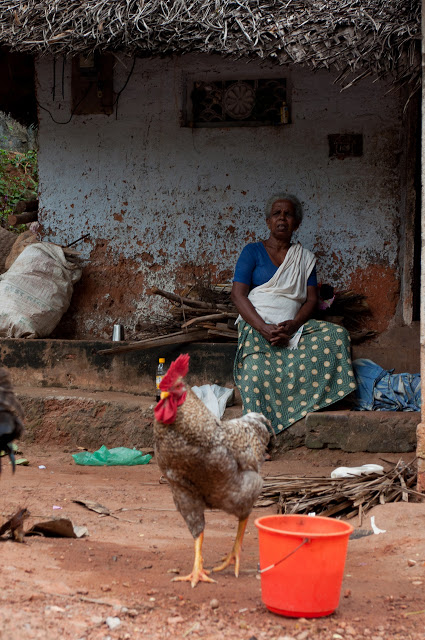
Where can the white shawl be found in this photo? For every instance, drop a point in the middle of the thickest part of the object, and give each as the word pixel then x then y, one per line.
pixel 281 297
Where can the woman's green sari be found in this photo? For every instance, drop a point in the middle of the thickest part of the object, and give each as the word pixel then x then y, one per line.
pixel 286 384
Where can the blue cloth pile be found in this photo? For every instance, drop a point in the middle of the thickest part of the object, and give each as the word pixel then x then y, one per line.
pixel 381 390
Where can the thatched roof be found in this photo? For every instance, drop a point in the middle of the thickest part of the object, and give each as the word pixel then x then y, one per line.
pixel 364 36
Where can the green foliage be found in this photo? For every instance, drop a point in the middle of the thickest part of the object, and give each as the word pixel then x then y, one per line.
pixel 18 181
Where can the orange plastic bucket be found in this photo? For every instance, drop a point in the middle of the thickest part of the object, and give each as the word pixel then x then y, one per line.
pixel 302 561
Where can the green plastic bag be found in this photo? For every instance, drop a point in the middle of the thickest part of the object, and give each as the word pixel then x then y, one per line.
pixel 105 457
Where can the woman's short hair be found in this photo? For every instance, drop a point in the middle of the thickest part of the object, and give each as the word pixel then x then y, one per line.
pixel 298 210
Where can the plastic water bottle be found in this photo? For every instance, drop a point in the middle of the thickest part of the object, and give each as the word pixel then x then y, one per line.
pixel 160 373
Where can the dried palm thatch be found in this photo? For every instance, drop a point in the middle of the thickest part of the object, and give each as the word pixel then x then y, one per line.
pixel 362 36
pixel 342 497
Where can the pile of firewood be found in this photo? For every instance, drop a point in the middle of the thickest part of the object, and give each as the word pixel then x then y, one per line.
pixel 216 317
pixel 204 312
pixel 342 497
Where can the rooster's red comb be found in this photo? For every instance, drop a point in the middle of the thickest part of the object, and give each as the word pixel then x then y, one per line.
pixel 178 369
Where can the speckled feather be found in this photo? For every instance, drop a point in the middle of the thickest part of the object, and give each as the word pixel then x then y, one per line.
pixel 209 463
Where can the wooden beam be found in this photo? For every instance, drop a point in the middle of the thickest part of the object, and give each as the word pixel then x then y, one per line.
pixel 181 337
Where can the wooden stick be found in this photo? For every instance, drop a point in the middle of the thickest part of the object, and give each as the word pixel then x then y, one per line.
pixel 26 205
pixel 222 333
pixel 181 337
pixel 213 316
pixel 181 299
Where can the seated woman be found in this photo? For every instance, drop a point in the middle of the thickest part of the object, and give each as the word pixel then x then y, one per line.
pixel 287 364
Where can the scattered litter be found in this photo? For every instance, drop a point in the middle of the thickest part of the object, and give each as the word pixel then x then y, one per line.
pixel 195 627
pixel 41 466
pixel 214 604
pixel 111 457
pixel 101 510
pixel 57 528
pixel 52 608
pixel 411 563
pixel 414 613
pixel 55 506
pixel 364 470
pixel 173 620
pixel 376 529
pixel 94 506
pixel 215 398
pixel 23 461
pixel 113 623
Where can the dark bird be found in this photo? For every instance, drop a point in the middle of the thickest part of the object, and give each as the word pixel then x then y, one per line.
pixel 11 416
pixel 209 464
pixel 15 525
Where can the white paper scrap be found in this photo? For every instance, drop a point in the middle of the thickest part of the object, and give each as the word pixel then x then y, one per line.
pixel 376 529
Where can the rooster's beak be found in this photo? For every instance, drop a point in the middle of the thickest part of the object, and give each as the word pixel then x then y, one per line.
pixel 164 394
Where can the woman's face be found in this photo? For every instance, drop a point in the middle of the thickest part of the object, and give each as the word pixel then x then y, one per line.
pixel 282 221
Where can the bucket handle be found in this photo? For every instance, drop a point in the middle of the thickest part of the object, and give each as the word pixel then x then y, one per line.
pixel 272 566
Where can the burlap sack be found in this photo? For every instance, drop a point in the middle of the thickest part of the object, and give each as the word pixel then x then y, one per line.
pixel 36 291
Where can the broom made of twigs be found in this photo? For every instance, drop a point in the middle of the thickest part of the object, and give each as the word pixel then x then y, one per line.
pixel 342 497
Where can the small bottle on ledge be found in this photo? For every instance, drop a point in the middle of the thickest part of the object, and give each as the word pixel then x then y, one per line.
pixel 160 373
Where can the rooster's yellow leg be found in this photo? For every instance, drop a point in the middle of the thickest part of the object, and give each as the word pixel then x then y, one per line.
pixel 235 554
pixel 198 573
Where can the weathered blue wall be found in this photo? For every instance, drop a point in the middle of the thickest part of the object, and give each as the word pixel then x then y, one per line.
pixel 163 202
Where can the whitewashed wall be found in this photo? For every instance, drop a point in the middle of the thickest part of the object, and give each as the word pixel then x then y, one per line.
pixel 155 195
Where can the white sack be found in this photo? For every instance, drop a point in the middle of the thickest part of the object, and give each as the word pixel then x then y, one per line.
pixel 36 291
pixel 214 397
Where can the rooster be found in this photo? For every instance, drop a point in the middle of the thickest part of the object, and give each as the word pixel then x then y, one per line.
pixel 11 416
pixel 209 464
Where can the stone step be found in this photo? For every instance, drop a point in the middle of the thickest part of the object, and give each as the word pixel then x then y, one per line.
pixel 90 419
pixel 86 418
pixel 372 431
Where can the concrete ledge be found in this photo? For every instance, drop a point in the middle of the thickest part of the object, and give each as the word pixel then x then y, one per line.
pixel 74 364
pixel 373 431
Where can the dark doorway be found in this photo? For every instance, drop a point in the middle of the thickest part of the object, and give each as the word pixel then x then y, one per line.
pixel 17 87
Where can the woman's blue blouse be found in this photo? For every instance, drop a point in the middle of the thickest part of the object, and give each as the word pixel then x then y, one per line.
pixel 254 267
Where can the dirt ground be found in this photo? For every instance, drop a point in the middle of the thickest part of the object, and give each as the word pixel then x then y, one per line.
pixel 116 582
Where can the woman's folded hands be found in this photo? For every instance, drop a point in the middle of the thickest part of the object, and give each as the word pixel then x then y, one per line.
pixel 279 334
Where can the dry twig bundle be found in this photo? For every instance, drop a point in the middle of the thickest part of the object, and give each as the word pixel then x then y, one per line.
pixel 210 309
pixel 342 497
